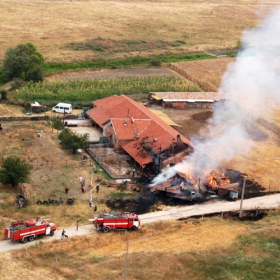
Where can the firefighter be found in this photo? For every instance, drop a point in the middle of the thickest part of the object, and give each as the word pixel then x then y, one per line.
pixel 63 234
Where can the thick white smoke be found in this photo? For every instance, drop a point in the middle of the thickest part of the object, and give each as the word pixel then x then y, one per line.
pixel 251 85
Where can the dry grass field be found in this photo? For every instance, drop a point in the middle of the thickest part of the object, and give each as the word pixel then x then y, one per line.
pixel 51 25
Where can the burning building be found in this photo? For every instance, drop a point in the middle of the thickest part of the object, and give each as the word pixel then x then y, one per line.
pixel 251 91
pixel 213 184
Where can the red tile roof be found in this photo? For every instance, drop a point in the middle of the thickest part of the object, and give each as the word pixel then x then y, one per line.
pixel 129 128
pixel 114 107
pixel 135 124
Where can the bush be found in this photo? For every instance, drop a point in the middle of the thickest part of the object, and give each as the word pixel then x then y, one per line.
pixel 35 74
pixel 155 62
pixel 3 94
pixel 17 83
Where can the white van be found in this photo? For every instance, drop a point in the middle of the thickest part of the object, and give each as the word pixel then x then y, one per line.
pixel 63 108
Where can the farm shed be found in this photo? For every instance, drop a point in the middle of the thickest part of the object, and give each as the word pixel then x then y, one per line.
pixel 37 108
pixel 183 100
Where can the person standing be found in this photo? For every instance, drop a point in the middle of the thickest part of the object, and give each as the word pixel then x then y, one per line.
pixel 63 234
pixel 95 208
pixel 90 202
pixel 81 180
pixel 97 189
pixel 66 189
pixel 83 188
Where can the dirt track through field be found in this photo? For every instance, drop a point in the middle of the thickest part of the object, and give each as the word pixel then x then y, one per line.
pixel 106 74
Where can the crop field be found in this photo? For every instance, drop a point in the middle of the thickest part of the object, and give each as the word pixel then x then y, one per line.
pixel 86 30
pixel 86 91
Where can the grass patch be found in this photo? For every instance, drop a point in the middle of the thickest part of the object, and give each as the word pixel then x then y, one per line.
pixel 125 45
pixel 123 63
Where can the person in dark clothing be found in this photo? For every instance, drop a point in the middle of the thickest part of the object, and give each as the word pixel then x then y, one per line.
pixel 83 188
pixel 97 189
pixel 63 234
pixel 95 208
pixel 66 189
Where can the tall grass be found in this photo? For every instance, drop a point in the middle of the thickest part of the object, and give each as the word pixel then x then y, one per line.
pixel 88 90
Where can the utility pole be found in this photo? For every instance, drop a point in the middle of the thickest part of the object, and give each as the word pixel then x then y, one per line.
pixel 242 196
pixel 125 264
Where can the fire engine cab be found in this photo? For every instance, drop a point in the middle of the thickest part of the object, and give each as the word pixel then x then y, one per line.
pixel 28 230
pixel 123 220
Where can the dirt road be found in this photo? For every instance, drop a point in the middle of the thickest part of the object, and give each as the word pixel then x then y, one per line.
pixel 264 202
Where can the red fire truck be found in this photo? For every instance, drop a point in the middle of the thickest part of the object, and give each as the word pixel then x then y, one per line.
pixel 28 230
pixel 123 220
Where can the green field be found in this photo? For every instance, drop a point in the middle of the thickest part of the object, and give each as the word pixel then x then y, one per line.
pixel 86 91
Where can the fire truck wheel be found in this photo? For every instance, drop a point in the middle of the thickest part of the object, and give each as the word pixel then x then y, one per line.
pixel 133 228
pixel 52 233
pixel 31 238
pixel 45 202
pixel 24 240
pixel 39 202
pixel 106 229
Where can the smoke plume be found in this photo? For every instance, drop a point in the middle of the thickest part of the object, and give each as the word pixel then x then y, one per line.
pixel 251 86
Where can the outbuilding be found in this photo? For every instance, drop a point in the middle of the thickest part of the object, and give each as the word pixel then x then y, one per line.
pixel 184 100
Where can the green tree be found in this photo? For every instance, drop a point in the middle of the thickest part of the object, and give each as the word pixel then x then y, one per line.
pixel 24 62
pixel 70 140
pixel 55 122
pixel 14 171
